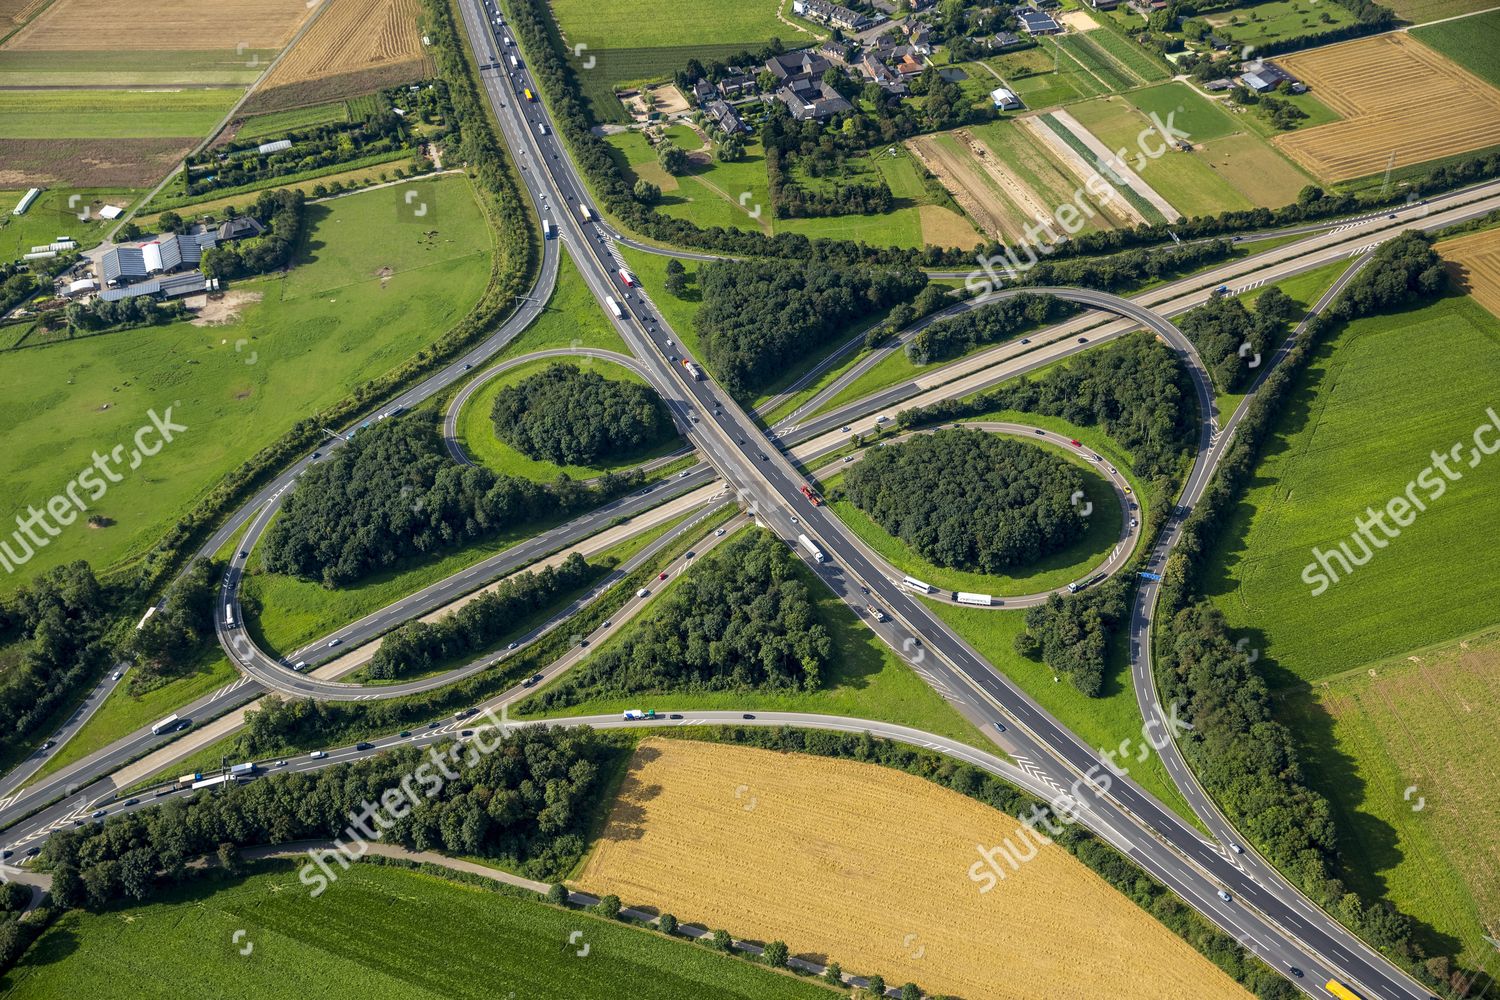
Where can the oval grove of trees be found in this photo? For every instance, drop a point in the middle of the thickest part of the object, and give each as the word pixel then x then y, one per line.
pixel 970 500
pixel 574 417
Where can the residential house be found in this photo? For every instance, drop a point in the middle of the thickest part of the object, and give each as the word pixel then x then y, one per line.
pixel 725 117
pixel 794 66
pixel 835 15
pixel 1034 22
pixel 703 92
pixel 1004 40
pixel 736 85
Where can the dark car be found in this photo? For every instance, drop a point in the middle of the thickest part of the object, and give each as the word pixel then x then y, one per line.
pixel 33 852
pixel 1296 972
pixel 132 802
pixel 6 854
pixel 747 715
pixel 1083 340
pixel 675 715
pixel 404 734
pixel 1040 431
pixel 466 733
pixel 361 745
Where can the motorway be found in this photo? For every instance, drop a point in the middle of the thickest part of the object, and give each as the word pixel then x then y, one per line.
pixel 1272 922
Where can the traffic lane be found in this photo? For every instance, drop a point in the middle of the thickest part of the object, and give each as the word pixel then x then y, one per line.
pixel 53 744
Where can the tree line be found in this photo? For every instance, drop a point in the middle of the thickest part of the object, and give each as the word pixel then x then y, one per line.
pixel 759 317
pixel 742 619
pixel 573 417
pixel 988 324
pixel 389 495
pixel 418 647
pixel 1071 634
pixel 524 804
pixel 1246 758
pixel 55 628
pixel 969 499
pixel 1234 342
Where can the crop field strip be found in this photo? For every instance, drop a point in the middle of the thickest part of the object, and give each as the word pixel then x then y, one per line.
pixel 354 46
pixel 113 25
pixel 1471 42
pixel 767 830
pixel 1474 264
pixel 1442 109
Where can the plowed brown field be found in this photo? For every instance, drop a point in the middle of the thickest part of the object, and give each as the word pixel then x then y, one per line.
pixel 1402 104
pixel 1474 263
pixel 868 866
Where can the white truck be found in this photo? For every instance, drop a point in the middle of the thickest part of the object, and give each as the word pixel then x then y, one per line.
pixel 811 547
pixel 912 583
pixel 546 229
pixel 229 616
pixel 693 370
pixel 583 210
pixel 614 307
pixel 875 612
pixel 165 725
pixel 978 600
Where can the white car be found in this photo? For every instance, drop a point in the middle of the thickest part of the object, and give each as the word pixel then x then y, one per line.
pixel 719 533
pixel 882 419
pixel 1224 896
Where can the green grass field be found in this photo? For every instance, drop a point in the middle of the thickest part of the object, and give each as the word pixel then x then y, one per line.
pixel 572 318
pixel 126 68
pixel 477 432
pixel 1471 42
pixel 865 680
pixel 51 216
pixel 1422 11
pixel 1377 401
pixel 111 114
pixel 376 932
pixel 1278 21
pixel 1072 563
pixel 368 293
pixel 279 122
pixel 631 24
pixel 1043 78
pixel 1423 722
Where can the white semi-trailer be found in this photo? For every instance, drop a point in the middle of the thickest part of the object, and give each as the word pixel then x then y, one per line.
pixel 811 547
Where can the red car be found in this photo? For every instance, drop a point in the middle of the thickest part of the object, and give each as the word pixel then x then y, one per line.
pixel 662 576
pixel 1076 443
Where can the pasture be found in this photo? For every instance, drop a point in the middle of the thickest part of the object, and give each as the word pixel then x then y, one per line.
pixel 861 863
pixel 639 24
pixel 1445 108
pixel 367 292
pixel 1404 749
pixel 112 114
pixel 354 47
pixel 377 931
pixel 1278 21
pixel 1471 42
pixel 50 216
pixel 1363 422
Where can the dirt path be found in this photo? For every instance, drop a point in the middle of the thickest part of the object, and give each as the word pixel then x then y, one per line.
pixel 1068 157
pixel 951 175
pixel 1132 179
pixel 1026 199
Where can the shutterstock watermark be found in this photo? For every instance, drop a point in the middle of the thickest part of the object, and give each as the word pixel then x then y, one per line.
pixel 1041 237
pixel 370 821
pixel 1337 562
pixel 36 528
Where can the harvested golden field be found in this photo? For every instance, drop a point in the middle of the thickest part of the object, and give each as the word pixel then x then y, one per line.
pixel 363 40
pixel 17 11
pixel 1474 263
pixel 868 866
pixel 116 25
pixel 1399 99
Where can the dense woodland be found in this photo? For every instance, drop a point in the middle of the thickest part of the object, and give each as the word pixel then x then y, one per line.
pixel 525 804
pixel 1134 389
pixel 391 494
pixel 418 646
pixel 180 631
pixel 969 499
pixel 741 619
pixel 52 630
pixel 988 324
pixel 1070 633
pixel 761 317
pixel 1234 342
pixel 575 417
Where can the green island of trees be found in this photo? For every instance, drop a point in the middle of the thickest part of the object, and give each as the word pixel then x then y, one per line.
pixel 740 621
pixel 574 417
pixel 970 500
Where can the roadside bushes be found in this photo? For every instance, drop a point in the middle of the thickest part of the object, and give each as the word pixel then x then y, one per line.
pixel 390 494
pixel 1071 633
pixel 417 646
pixel 969 499
pixel 758 317
pixel 573 417
pixel 741 620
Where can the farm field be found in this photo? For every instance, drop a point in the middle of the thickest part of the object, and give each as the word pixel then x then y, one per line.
pixel 367 294
pixel 1422 378
pixel 50 217
pixel 1041 78
pixel 1471 42
pixel 770 830
pixel 1446 109
pixel 359 940
pixel 476 432
pixel 1474 265
pixel 1422 11
pixel 636 24
pixel 354 47
pixel 90 163
pixel 1278 21
pixel 1056 570
pixel 112 114
pixel 1424 722
pixel 865 679
pixel 74 26
pixel 125 68
pixel 279 122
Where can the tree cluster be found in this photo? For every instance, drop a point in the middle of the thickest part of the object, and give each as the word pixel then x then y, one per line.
pixel 1134 389
pixel 1071 633
pixel 1234 342
pixel 741 620
pixel 524 804
pixel 759 317
pixel 1403 271
pixel 97 315
pixel 17 284
pixel 794 201
pixel 988 324
pixel 418 646
pixel 391 494
pixel 969 499
pixel 55 626
pixel 282 213
pixel 574 417
pixel 177 634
